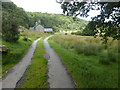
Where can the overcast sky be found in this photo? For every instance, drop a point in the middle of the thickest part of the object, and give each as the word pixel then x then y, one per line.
pixel 49 6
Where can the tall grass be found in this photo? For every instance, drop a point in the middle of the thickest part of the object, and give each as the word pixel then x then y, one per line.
pixel 89 46
pixel 86 71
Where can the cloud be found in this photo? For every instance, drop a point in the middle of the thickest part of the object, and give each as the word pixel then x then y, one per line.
pixel 49 6
pixel 46 6
pixel 5 0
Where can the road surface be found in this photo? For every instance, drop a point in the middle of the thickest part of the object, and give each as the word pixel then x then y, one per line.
pixel 18 70
pixel 57 73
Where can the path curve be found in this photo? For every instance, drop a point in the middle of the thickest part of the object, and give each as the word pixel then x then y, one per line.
pixel 18 70
pixel 57 73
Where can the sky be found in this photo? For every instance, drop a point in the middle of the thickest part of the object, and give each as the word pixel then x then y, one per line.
pixel 45 6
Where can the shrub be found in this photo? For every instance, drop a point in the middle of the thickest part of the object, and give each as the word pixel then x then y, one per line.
pixel 103 59
pixel 65 33
pixel 112 56
pixel 72 33
pixel 10 31
pixel 11 35
pixel 25 39
pixel 107 56
pixel 89 29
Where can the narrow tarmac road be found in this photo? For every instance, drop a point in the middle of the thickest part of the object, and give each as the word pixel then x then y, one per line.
pixel 57 73
pixel 19 69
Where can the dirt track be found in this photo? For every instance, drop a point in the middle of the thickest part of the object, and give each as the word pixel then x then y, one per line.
pixel 18 70
pixel 57 73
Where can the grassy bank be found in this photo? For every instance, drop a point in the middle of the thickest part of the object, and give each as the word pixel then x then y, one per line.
pixel 18 49
pixel 84 65
pixel 36 75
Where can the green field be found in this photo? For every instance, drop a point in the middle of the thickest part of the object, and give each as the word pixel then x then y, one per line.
pixel 91 67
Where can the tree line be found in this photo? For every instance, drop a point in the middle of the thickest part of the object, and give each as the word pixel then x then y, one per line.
pixel 56 21
pixel 107 24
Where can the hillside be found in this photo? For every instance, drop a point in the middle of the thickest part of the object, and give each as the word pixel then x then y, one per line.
pixel 56 21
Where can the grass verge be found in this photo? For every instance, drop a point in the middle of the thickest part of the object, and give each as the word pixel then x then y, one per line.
pixel 36 75
pixel 86 71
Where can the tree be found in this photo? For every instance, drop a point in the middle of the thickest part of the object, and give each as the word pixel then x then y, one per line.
pixel 108 21
pixel 89 29
pixel 9 27
pixel 12 18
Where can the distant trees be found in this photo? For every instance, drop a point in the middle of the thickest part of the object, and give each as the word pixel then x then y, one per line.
pixel 57 22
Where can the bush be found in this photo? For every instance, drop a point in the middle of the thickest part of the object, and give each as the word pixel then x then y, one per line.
pixel 107 56
pixel 10 31
pixel 12 18
pixel 25 39
pixel 72 33
pixel 65 33
pixel 112 56
pixel 12 34
pixel 89 29
pixel 103 59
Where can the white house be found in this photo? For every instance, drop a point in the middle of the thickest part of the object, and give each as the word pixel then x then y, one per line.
pixel 39 28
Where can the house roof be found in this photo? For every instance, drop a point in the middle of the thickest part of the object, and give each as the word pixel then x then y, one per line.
pixel 48 29
pixel 37 25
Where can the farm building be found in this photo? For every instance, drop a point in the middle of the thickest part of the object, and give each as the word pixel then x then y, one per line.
pixel 48 30
pixel 39 28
